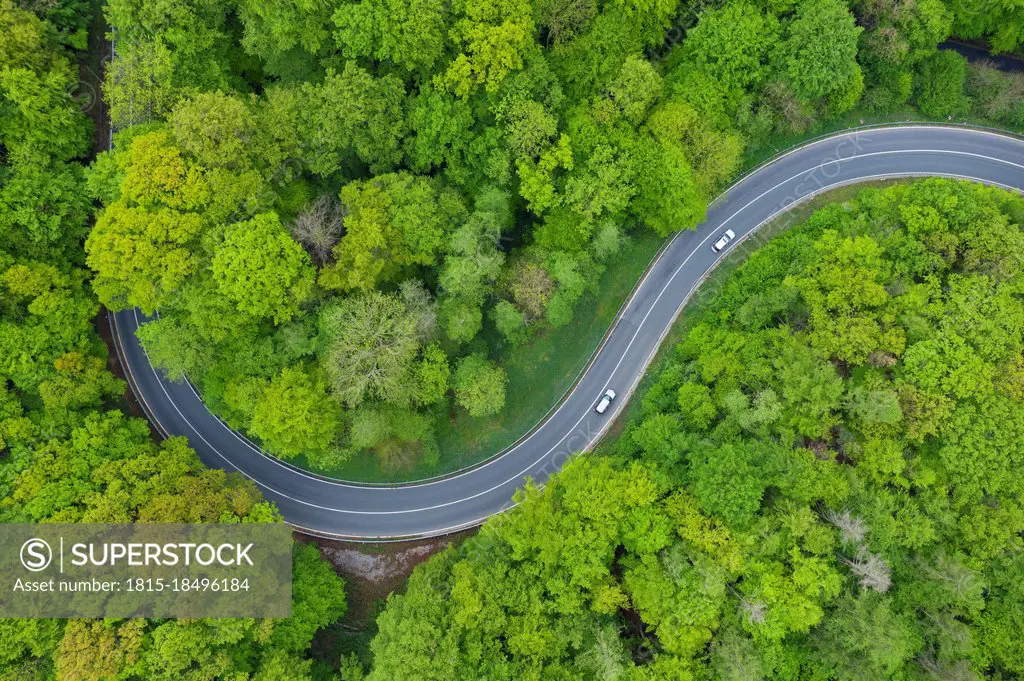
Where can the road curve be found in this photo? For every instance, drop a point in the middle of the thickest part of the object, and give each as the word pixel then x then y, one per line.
pixel 319 506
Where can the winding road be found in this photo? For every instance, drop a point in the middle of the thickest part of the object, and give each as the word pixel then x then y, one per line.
pixel 324 507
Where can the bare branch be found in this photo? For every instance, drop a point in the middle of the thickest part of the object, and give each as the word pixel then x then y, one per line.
pixel 851 528
pixel 754 610
pixel 318 228
pixel 874 573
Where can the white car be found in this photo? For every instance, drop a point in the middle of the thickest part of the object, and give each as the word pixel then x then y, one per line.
pixel 606 400
pixel 724 241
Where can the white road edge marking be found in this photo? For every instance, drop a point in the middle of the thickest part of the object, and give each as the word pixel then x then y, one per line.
pixel 610 420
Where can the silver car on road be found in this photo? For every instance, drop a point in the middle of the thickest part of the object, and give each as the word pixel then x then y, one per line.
pixel 606 400
pixel 723 241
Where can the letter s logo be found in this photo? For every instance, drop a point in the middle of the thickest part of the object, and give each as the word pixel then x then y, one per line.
pixel 36 555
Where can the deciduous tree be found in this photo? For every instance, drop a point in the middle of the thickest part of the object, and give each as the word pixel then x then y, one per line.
pixel 261 270
pixel 371 345
pixel 295 415
pixel 480 385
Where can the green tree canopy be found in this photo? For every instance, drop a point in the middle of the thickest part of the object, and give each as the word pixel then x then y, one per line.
pixel 261 269
pixel 479 385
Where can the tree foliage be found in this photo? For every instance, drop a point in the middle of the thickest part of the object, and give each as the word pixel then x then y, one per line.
pixel 777 508
pixel 499 152
pixel 479 386
pixel 261 269
pixel 372 344
pixel 342 215
pixel 295 415
pixel 67 451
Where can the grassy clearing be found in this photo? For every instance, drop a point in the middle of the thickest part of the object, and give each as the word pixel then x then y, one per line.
pixel 539 372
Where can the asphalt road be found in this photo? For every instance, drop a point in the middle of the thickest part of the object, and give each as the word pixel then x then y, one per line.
pixel 326 507
pixel 975 53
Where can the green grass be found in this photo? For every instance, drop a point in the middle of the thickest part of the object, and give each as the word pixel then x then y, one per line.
pixel 759 151
pixel 539 372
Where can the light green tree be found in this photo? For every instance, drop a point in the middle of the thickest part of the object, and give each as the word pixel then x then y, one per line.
pixel 295 415
pixel 479 385
pixel 262 270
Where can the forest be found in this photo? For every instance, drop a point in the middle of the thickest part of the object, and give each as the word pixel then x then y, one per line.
pixel 823 482
pixel 343 217
pixel 348 217
pixel 68 451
